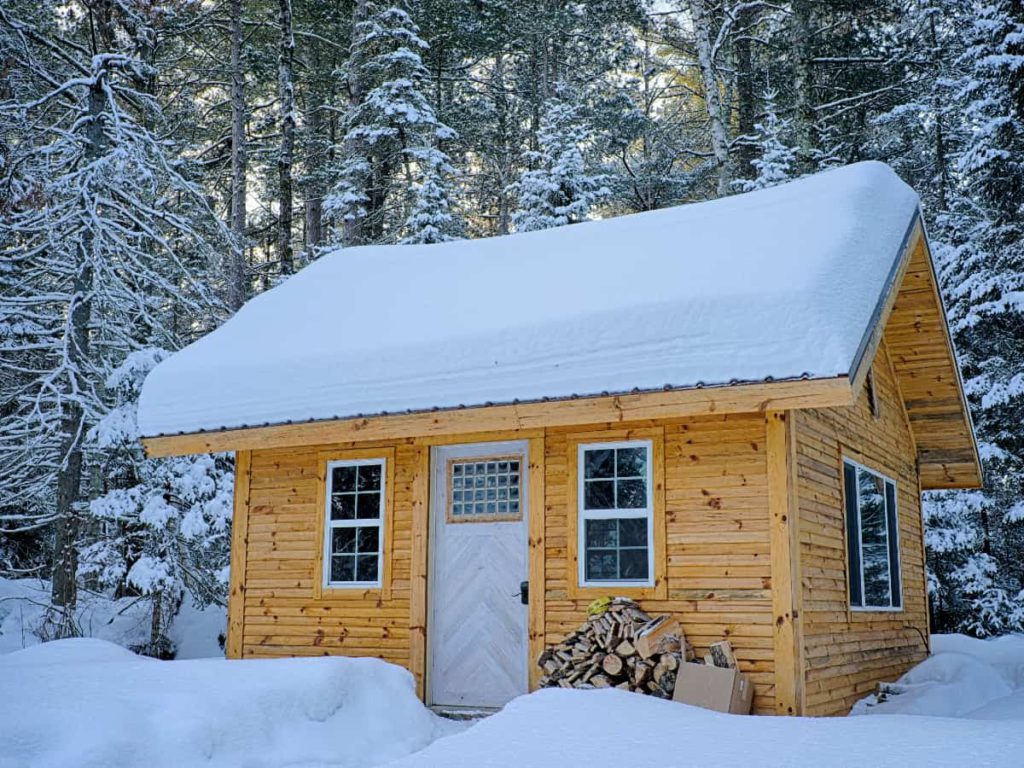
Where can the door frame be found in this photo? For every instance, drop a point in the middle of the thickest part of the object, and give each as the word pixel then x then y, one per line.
pixel 421 565
pixel 440 458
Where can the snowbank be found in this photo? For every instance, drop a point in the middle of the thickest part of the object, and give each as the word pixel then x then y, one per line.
pixel 557 728
pixel 964 677
pixel 87 703
pixel 23 604
pixel 778 283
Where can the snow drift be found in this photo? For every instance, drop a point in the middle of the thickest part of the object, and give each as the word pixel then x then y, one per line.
pixel 91 704
pixel 964 677
pixel 557 727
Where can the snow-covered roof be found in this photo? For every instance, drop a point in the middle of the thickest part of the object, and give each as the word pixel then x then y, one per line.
pixel 781 283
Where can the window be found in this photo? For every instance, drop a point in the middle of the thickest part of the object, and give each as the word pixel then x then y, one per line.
pixel 872 539
pixel 484 489
pixel 616 514
pixel 354 533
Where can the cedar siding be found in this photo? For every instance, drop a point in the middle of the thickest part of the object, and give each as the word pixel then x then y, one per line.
pixel 848 652
pixel 718 569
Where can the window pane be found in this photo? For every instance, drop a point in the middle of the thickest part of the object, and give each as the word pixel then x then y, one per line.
pixel 343 568
pixel 369 477
pixel 369 539
pixel 631 462
pixel 369 506
pixel 601 565
pixel 632 494
pixel 633 564
pixel 633 532
pixel 599 494
pixel 366 568
pixel 874 539
pixel 343 540
pixel 344 479
pixel 601 533
pixel 343 506
pixel 599 463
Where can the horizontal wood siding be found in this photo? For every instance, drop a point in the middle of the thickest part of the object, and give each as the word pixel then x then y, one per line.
pixel 283 616
pixel 717 534
pixel 846 652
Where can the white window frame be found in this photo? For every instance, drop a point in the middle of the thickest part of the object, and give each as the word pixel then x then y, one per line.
pixel 860 541
pixel 330 525
pixel 583 514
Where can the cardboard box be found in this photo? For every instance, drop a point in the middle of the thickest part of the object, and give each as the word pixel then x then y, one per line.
pixel 724 690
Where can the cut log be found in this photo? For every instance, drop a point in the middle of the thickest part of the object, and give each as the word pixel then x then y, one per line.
pixel 722 655
pixel 613 664
pixel 625 649
pixel 662 635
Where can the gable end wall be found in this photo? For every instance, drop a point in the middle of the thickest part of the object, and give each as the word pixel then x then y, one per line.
pixel 847 652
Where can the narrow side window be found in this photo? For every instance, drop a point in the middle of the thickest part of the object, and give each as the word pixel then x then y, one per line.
pixel 872 538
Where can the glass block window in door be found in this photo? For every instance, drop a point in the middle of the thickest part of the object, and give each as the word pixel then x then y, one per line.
pixel 485 489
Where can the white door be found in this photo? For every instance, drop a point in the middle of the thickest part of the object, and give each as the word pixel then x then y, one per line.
pixel 478 623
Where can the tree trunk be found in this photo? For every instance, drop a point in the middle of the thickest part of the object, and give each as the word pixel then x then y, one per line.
pixel 712 96
pixel 286 95
pixel 353 227
pixel 746 112
pixel 237 277
pixel 64 586
pixel 313 126
pixel 941 160
pixel 803 82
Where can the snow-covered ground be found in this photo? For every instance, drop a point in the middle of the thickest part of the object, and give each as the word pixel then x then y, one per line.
pixel 88 703
pixel 197 632
pixel 91 704
pixel 964 706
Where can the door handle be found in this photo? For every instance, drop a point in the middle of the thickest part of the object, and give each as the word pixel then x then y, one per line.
pixel 524 592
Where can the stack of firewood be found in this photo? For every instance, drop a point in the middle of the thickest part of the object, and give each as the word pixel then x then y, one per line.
pixel 619 647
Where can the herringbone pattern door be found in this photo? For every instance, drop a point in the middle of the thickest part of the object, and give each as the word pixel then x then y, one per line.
pixel 477 633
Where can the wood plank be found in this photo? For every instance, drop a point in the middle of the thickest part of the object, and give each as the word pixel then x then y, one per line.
pixel 739 398
pixel 783 511
pixel 537 575
pixel 418 571
pixel 239 548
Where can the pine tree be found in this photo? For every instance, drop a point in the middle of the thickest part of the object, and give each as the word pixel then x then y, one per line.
pixel 390 126
pixel 431 219
pixel 162 525
pixel 557 189
pixel 102 252
pixel 775 158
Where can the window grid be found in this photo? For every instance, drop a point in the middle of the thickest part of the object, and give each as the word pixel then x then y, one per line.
pixel 616 513
pixel 860 600
pixel 354 530
pixel 485 489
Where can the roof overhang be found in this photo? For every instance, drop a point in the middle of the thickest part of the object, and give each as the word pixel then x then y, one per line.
pixel 610 408
pixel 911 318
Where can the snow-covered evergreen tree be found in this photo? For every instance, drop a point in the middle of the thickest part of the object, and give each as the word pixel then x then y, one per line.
pixel 976 538
pixel 161 527
pixel 431 219
pixel 775 158
pixel 103 250
pixel 557 188
pixel 391 127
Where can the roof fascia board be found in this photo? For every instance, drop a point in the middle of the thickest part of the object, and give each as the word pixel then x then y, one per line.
pixel 632 407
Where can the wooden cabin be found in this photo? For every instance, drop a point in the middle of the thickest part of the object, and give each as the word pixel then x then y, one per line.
pixel 727 411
